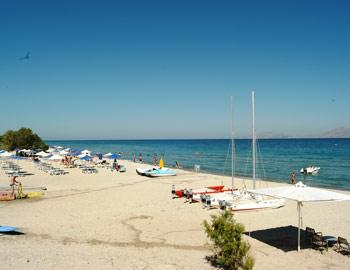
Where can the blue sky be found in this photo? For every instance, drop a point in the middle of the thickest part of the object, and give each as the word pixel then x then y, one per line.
pixel 167 69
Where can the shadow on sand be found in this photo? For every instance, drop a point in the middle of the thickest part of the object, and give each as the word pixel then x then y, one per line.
pixel 12 233
pixel 284 238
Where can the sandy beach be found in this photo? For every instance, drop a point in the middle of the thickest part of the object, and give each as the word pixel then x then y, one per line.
pixel 115 220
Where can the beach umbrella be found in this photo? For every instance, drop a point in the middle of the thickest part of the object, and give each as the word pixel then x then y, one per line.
pixel 64 152
pixel 55 157
pixel 86 158
pixel 51 150
pixel 113 156
pixel 83 155
pixel 86 152
pixel 5 154
pixel 302 193
pixel 75 152
pixel 42 154
pixel 108 154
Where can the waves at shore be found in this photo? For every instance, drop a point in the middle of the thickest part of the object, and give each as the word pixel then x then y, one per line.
pixel 277 158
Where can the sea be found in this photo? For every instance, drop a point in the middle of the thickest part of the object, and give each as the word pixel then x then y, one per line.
pixel 276 158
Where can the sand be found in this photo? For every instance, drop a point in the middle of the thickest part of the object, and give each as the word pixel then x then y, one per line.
pixel 115 220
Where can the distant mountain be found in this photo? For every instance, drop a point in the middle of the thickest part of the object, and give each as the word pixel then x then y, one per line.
pixel 342 132
pixel 272 135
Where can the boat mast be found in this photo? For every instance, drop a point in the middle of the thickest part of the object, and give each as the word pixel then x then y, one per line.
pixel 233 167
pixel 254 139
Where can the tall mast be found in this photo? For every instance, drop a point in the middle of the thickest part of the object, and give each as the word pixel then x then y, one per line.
pixel 232 147
pixel 254 139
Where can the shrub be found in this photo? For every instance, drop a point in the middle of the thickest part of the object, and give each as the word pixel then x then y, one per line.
pixel 230 250
pixel 22 138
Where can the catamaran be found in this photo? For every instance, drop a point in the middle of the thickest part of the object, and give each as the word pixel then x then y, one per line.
pixel 241 200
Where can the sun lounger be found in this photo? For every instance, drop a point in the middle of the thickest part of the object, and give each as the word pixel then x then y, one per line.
pixel 318 242
pixel 309 232
pixel 343 246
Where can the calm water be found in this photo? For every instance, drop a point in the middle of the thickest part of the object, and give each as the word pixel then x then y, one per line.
pixel 276 157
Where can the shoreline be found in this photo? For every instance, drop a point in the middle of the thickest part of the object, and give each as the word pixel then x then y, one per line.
pixel 113 220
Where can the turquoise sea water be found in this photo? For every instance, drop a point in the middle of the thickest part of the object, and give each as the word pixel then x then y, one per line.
pixel 276 157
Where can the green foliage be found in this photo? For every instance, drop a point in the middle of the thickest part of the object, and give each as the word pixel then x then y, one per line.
pixel 230 250
pixel 22 138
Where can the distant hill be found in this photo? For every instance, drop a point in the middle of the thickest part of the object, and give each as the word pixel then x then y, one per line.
pixel 342 132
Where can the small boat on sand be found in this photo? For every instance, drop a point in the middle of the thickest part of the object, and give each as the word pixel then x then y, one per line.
pixel 160 172
pixel 142 171
pixel 310 170
pixel 194 195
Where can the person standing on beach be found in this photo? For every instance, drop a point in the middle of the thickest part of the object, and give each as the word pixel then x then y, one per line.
pixel 134 158
pixel 293 178
pixel 14 183
pixel 155 160
pixel 140 158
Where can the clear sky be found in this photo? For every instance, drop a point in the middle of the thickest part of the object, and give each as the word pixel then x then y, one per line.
pixel 167 69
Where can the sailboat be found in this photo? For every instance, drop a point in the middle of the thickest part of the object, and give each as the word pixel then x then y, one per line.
pixel 242 200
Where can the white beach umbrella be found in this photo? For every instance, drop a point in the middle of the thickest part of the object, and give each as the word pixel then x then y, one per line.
pixel 51 150
pixel 64 152
pixel 108 154
pixel 302 193
pixel 55 157
pixel 5 154
pixel 83 155
pixel 86 152
pixel 42 154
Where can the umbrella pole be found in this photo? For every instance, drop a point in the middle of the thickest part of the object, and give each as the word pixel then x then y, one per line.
pixel 299 226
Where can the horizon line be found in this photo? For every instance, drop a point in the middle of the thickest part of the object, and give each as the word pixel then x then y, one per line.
pixel 184 139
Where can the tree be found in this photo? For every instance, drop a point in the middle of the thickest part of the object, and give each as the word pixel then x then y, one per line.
pixel 22 138
pixel 230 250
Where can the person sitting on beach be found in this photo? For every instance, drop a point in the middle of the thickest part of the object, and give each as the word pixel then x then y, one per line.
pixel 115 165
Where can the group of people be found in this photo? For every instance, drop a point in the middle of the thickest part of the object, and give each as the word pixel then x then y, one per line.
pixel 67 160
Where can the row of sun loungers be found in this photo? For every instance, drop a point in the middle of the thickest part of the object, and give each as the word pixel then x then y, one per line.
pixel 50 169
pixel 317 241
pixel 89 170
pixel 12 169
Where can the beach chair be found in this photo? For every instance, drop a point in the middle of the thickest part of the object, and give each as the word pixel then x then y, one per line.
pixel 317 242
pixel 309 232
pixel 343 246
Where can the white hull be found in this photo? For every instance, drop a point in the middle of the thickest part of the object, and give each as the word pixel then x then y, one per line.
pixel 214 201
pixel 160 172
pixel 241 201
pixel 252 204
pixel 142 171
pixel 310 170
